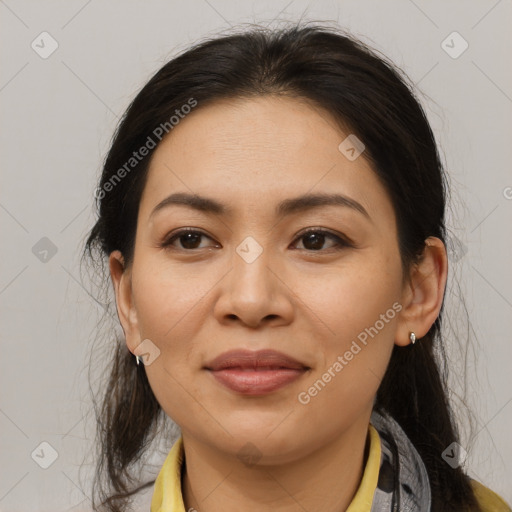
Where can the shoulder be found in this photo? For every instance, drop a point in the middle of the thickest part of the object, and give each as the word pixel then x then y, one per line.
pixel 489 500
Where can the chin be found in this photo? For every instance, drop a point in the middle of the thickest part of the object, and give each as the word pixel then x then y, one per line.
pixel 264 446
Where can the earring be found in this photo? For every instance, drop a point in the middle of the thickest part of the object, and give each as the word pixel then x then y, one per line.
pixel 412 337
pixel 138 360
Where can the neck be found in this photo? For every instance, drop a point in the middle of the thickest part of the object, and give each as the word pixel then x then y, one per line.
pixel 324 480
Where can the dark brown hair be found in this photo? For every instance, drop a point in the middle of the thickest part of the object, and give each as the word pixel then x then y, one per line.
pixel 361 90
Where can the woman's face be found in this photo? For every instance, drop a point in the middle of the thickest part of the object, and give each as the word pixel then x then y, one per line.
pixel 252 280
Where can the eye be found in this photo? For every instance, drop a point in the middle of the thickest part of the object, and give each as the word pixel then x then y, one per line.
pixel 314 239
pixel 188 238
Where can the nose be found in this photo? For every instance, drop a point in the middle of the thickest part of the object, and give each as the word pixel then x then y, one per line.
pixel 254 293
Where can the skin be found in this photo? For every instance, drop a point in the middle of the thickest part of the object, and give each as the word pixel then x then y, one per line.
pixel 250 154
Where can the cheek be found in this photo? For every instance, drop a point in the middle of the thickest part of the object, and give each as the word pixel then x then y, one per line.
pixel 348 301
pixel 167 300
pixel 358 308
pixel 354 358
pixel 170 306
pixel 168 309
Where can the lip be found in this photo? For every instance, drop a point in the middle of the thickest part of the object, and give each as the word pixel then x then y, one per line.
pixel 255 372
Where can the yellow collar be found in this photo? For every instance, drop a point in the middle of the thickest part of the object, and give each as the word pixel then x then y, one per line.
pixel 167 495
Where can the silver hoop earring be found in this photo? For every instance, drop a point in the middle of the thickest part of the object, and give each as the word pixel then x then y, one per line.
pixel 412 337
pixel 138 359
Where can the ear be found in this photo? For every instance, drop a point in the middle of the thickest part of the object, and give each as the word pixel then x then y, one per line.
pixel 423 293
pixel 121 279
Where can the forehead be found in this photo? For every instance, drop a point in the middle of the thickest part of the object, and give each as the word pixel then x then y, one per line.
pixel 253 149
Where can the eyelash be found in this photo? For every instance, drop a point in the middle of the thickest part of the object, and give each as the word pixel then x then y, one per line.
pixel 341 242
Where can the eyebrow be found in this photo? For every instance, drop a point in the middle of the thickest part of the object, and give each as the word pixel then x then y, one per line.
pixel 286 207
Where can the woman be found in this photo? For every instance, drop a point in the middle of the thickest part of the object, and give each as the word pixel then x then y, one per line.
pixel 272 211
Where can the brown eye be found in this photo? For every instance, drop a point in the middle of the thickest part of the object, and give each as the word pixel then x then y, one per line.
pixel 188 239
pixel 314 240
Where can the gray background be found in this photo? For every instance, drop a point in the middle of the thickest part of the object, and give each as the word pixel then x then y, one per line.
pixel 58 114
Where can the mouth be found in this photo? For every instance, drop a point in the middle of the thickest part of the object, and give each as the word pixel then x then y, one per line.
pixel 255 373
